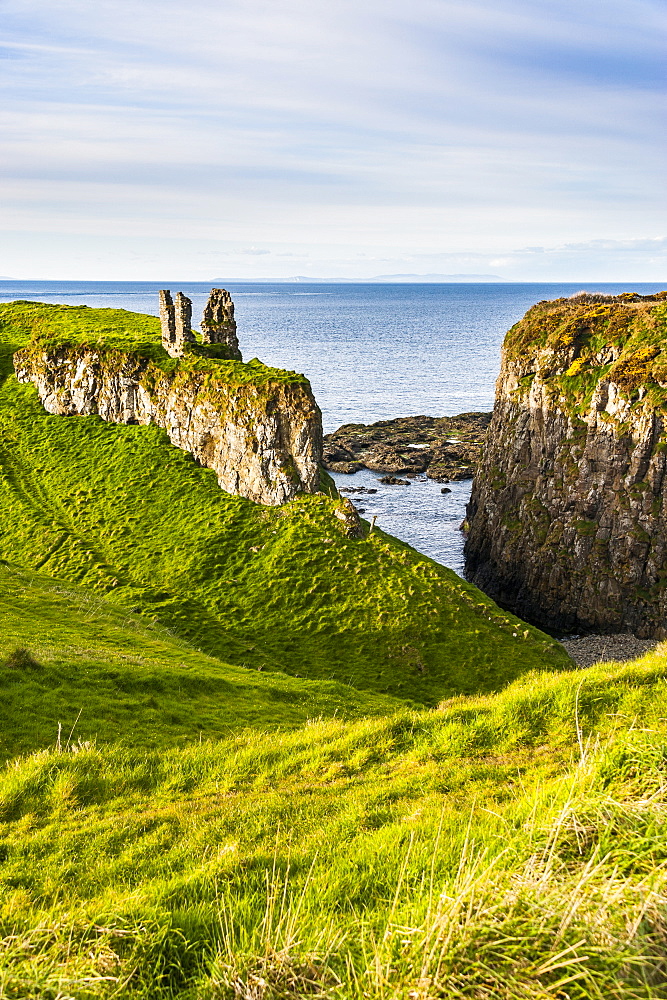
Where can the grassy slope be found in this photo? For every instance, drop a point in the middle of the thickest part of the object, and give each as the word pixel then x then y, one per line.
pixel 509 846
pixel 112 676
pixel 121 511
pixel 504 846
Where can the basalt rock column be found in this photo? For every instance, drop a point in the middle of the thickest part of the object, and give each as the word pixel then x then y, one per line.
pixel 218 324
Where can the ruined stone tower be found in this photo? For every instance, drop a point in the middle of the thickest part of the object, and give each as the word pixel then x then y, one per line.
pixel 183 310
pixel 167 320
pixel 218 324
pixel 175 319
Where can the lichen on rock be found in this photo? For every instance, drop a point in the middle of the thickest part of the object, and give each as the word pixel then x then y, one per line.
pixel 567 519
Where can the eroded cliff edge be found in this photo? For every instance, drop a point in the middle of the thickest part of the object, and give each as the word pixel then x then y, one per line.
pixel 568 514
pixel 259 428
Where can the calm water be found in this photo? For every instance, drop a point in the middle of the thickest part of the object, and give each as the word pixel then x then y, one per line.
pixel 371 352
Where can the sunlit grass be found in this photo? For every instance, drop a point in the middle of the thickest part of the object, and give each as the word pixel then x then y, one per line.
pixel 506 846
pixel 122 512
pixel 251 758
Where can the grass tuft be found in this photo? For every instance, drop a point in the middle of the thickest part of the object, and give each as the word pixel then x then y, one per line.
pixel 22 660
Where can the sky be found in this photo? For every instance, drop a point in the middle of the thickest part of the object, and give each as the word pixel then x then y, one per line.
pixel 262 139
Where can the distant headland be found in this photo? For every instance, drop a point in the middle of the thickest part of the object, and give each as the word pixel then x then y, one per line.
pixel 389 279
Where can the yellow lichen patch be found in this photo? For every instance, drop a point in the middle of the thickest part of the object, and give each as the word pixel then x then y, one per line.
pixel 632 370
pixel 577 366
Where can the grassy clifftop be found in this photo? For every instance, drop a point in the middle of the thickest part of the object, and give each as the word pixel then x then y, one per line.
pixel 122 512
pixel 576 342
pixel 116 331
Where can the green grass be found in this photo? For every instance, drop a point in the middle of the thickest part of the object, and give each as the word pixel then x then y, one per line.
pixel 105 674
pixel 81 326
pixel 250 796
pixel 120 511
pixel 508 846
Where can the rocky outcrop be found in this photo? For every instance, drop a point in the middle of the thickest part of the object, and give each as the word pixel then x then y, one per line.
pixel 346 512
pixel 445 448
pixel 568 515
pixel 258 428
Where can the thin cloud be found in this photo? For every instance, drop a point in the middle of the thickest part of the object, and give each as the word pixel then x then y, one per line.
pixel 367 125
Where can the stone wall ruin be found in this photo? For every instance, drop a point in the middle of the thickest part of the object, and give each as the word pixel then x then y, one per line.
pixel 175 320
pixel 218 324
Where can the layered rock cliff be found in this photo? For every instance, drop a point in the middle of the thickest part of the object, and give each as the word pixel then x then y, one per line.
pixel 568 514
pixel 258 428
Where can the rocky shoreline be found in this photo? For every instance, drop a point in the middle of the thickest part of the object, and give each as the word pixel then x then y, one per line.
pixel 586 650
pixel 446 449
pixel 443 448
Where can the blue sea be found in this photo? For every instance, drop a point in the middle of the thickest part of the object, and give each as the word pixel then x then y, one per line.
pixel 371 352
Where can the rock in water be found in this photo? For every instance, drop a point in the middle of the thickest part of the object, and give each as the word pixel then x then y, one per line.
pixel 444 448
pixel 568 514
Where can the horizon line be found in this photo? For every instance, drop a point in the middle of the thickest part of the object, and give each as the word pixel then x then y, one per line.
pixel 342 281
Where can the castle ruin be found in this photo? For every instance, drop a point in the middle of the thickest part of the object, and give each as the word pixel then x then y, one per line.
pixel 218 324
pixel 175 319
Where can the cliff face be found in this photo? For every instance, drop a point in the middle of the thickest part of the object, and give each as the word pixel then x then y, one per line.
pixel 568 514
pixel 261 434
